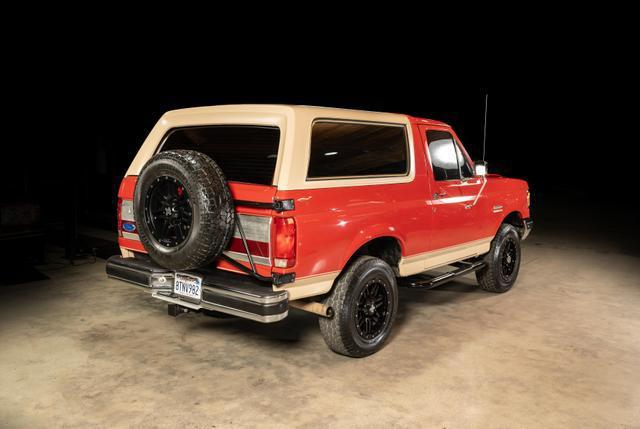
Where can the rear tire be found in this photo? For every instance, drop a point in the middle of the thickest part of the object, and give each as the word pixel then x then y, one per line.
pixel 364 302
pixel 503 261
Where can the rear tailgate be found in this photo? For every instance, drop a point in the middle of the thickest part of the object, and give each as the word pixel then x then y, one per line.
pixel 253 205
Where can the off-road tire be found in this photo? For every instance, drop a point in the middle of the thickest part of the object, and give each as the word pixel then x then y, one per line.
pixel 492 277
pixel 340 332
pixel 211 204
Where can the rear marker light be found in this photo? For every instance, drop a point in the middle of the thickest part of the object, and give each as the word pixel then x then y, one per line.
pixel 127 226
pixel 284 249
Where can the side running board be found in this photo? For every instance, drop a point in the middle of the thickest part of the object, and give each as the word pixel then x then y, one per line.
pixel 421 281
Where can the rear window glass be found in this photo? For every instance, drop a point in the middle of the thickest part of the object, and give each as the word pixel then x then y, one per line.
pixel 244 153
pixel 341 149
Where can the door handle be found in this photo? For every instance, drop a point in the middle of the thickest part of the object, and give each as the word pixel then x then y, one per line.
pixel 440 194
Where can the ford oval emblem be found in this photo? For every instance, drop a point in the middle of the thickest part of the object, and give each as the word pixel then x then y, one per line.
pixel 129 227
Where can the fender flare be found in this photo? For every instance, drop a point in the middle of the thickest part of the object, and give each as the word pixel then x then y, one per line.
pixel 367 236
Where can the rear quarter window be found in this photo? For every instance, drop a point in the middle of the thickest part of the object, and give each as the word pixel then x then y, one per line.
pixel 344 149
pixel 245 153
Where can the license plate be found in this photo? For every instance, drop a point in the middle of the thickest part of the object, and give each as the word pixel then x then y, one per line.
pixel 188 286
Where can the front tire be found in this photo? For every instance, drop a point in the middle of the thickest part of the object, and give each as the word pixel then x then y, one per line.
pixel 503 261
pixel 364 303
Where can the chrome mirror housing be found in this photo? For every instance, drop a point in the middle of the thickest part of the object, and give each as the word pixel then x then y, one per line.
pixel 481 168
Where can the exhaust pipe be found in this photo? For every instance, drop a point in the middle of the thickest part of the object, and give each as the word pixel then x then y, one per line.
pixel 313 307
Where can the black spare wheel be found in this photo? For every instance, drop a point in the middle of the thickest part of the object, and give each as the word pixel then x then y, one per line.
pixel 184 209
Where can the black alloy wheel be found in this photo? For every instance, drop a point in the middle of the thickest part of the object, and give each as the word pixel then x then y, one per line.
pixel 167 211
pixel 508 259
pixel 184 209
pixel 372 310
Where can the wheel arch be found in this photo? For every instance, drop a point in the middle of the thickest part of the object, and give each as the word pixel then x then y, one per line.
pixel 386 247
pixel 515 219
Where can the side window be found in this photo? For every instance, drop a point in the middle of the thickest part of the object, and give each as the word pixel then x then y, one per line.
pixel 340 149
pixel 465 166
pixel 444 155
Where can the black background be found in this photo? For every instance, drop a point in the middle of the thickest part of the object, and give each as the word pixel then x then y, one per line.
pixel 557 123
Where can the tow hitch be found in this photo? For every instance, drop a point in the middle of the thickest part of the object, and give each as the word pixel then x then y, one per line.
pixel 176 310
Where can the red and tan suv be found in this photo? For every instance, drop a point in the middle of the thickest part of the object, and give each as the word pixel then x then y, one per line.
pixel 251 209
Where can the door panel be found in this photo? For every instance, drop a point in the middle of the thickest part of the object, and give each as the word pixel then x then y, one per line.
pixel 473 192
pixel 446 200
pixel 473 220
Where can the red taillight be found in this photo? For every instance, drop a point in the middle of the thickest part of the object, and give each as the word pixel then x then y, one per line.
pixel 119 217
pixel 284 244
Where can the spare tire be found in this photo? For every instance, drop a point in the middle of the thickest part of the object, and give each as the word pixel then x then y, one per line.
pixel 184 210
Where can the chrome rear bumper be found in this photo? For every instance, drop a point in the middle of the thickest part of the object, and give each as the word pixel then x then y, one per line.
pixel 222 291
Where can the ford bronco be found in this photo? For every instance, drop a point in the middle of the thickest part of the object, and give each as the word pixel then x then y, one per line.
pixel 248 210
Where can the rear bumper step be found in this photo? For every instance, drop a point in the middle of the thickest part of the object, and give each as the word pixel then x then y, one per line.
pixel 222 291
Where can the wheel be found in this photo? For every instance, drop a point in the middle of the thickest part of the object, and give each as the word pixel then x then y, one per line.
pixel 364 302
pixel 183 208
pixel 503 261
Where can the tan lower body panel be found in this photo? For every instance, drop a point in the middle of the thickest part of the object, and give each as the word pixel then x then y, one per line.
pixel 309 286
pixel 126 253
pixel 437 258
pixel 321 284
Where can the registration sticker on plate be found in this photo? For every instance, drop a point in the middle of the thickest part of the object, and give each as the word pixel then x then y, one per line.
pixel 188 286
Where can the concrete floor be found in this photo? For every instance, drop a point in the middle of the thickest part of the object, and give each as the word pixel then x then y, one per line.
pixel 562 349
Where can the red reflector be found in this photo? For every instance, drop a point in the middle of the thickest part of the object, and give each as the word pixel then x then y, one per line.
pixel 284 248
pixel 257 248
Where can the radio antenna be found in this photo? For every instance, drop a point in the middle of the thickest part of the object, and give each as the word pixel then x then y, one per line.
pixel 484 129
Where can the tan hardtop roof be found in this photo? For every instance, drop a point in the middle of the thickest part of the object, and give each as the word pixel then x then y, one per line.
pixel 318 111
pixel 283 109
pixel 294 121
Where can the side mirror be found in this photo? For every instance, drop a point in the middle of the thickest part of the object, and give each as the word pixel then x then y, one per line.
pixel 481 168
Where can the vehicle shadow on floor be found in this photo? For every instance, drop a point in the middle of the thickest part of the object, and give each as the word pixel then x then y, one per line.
pixel 299 325
pixel 414 302
pixel 295 327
